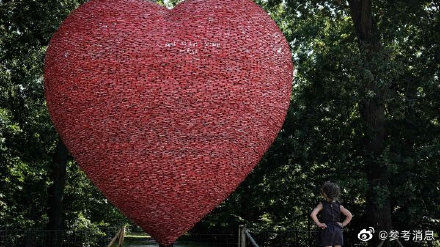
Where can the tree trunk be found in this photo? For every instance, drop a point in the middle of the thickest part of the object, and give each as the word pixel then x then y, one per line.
pixel 372 110
pixel 55 191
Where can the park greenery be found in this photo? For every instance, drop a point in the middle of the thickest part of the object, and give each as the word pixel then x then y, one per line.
pixel 364 113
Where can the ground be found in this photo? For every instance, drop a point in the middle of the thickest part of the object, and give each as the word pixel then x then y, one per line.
pixel 142 240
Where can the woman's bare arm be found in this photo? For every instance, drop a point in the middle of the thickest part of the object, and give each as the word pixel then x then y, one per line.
pixel 348 215
pixel 314 214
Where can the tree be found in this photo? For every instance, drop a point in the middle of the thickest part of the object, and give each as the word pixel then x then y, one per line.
pixel 372 111
pixel 56 194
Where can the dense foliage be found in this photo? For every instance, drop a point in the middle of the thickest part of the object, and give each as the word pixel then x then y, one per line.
pixel 323 138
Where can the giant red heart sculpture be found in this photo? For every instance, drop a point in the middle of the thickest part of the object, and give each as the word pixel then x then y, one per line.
pixel 167 111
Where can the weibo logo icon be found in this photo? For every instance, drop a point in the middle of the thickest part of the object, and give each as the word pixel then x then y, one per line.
pixel 365 235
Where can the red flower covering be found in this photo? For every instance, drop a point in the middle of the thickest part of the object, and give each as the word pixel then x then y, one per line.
pixel 167 111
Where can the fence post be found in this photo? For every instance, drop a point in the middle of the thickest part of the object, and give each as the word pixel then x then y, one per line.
pixel 241 236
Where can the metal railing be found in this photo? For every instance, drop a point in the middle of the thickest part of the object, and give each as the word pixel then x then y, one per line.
pixel 243 235
pixel 251 239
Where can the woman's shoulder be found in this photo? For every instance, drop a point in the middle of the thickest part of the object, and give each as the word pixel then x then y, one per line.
pixel 319 203
pixel 323 202
pixel 339 203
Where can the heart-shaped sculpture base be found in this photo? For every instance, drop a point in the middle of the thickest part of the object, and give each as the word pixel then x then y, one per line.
pixel 167 111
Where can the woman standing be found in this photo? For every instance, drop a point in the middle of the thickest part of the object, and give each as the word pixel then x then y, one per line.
pixel 331 227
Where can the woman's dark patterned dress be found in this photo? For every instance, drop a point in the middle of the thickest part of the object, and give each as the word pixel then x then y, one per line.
pixel 332 234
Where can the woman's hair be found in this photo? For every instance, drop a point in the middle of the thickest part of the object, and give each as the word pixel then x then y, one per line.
pixel 331 190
